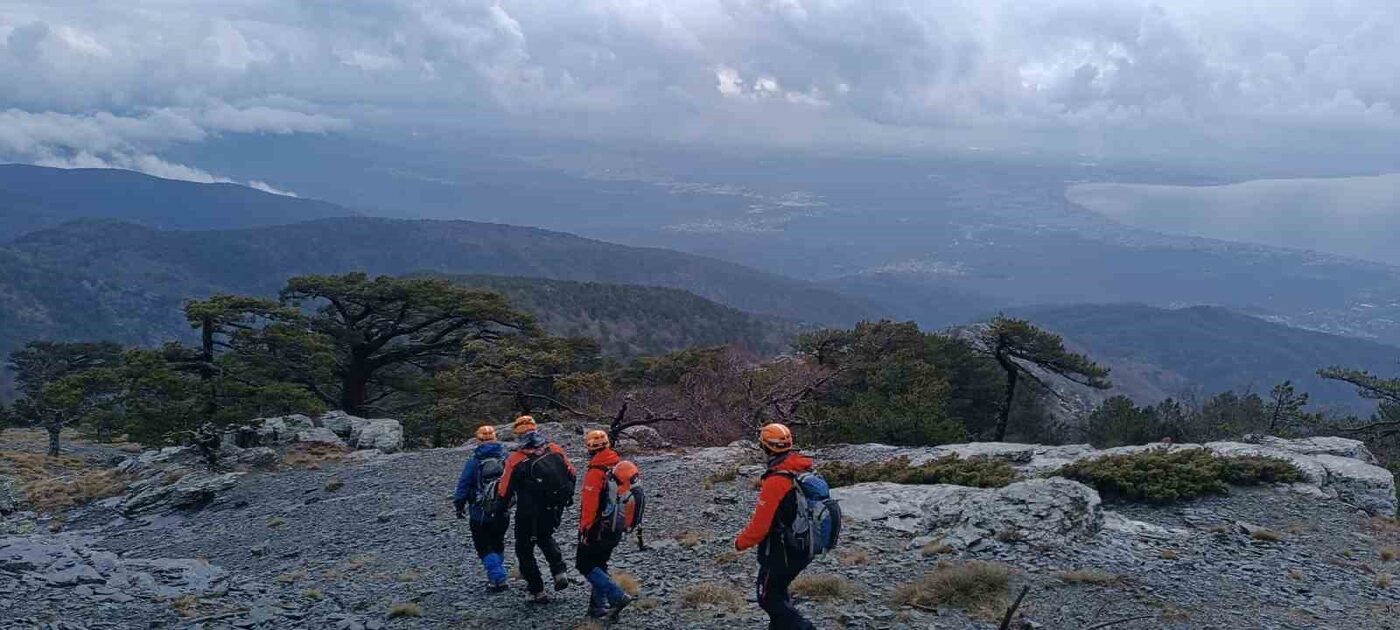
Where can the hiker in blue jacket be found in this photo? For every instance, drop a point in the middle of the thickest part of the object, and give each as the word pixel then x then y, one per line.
pixel 490 514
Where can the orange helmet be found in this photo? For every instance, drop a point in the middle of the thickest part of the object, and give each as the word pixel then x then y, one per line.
pixel 486 433
pixel 775 438
pixel 596 441
pixel 524 424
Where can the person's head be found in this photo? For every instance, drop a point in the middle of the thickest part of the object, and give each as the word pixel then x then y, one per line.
pixel 596 441
pixel 523 425
pixel 485 433
pixel 775 438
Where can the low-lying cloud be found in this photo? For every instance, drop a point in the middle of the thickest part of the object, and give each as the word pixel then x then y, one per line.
pixel 1077 74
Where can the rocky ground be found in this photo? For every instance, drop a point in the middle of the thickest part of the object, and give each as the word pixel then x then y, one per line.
pixel 369 541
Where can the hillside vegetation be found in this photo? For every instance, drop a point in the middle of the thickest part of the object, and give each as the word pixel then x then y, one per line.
pixel 631 320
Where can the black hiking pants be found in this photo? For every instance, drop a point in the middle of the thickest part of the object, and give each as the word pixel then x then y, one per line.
pixel 534 527
pixel 490 537
pixel 594 554
pixel 773 597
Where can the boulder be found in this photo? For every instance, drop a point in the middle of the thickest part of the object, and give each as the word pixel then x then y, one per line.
pixel 1313 472
pixel 152 495
pixel 378 433
pixel 338 422
pixel 646 436
pixel 1341 447
pixel 63 562
pixel 1360 484
pixel 267 431
pixel 320 435
pixel 1040 511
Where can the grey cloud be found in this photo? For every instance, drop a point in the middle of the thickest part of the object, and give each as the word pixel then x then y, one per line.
pixel 776 70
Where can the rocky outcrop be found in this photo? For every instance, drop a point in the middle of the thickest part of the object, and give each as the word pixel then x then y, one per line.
pixel 155 494
pixel 380 433
pixel 1334 467
pixel 384 434
pixel 68 563
pixel 321 435
pixel 1041 511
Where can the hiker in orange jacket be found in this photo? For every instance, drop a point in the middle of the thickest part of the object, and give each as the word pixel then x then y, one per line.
pixel 595 547
pixel 777 506
pixel 541 478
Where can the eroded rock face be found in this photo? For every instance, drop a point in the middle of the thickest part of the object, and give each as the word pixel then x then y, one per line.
pixel 1357 483
pixel 1041 511
pixel 320 435
pixel 153 494
pixel 1341 447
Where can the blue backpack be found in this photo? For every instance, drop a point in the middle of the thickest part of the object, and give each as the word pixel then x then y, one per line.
pixel 816 526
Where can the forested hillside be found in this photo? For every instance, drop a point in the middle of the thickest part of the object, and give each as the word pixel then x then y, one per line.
pixel 35 197
pixel 1211 349
pixel 632 320
pixel 104 280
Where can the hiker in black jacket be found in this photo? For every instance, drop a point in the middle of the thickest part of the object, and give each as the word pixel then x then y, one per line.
pixel 541 478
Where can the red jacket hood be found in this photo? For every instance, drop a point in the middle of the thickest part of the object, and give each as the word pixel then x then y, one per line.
pixel 793 462
pixel 606 458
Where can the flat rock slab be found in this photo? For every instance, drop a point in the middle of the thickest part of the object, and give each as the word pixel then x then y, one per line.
pixel 1048 511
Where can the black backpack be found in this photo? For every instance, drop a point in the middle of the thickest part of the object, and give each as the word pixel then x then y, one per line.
pixel 489 504
pixel 545 476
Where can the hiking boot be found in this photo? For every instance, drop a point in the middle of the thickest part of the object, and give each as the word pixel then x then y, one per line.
pixel 561 581
pixel 616 608
pixel 536 598
pixel 597 613
pixel 496 587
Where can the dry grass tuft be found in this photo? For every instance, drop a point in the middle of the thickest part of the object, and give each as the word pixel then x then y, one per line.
pixel 935 548
pixel 1266 535
pixel 1383 580
pixel 186 606
pixel 823 587
pixel 723 476
pixel 311 455
pixel 590 624
pixel 1295 574
pixel 859 557
pixel 291 577
pixel 1220 529
pixel 728 557
pixel 1089 576
pixel 691 540
pixel 647 603
pixel 977 587
pixel 313 594
pixel 405 609
pixel 334 484
pixel 1168 554
pixel 627 583
pixel 409 576
pixel 54 484
pixel 1389 554
pixel 711 594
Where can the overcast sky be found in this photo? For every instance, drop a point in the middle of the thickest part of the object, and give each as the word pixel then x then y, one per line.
pixel 114 83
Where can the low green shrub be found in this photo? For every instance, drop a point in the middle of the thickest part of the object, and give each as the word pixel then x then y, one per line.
pixel 977 472
pixel 1160 476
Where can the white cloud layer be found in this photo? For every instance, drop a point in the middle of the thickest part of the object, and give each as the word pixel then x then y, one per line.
pixel 130 77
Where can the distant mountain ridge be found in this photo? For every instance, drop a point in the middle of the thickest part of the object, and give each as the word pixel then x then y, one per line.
pixel 1160 352
pixel 36 197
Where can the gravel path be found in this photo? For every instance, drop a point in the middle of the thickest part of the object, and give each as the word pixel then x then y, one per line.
pixel 342 545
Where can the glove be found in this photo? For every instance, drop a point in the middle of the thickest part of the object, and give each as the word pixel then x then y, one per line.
pixel 460 505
